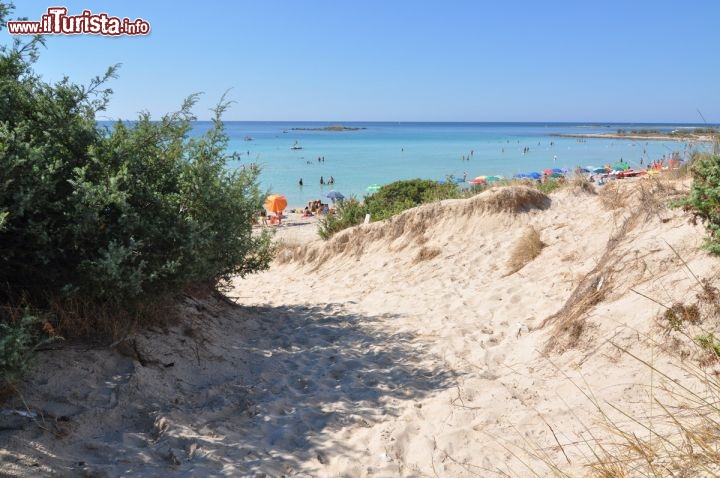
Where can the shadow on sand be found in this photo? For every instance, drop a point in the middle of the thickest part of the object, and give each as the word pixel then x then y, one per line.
pixel 233 391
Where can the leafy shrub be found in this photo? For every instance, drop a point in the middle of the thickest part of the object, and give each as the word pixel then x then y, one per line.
pixel 350 212
pixel 550 185
pixel 388 201
pixel 398 196
pixel 704 199
pixel 101 226
pixel 18 341
pixel 124 216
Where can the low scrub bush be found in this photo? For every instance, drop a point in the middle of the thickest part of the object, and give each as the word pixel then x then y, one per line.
pixel 704 198
pixel 350 212
pixel 18 340
pixel 398 196
pixel 115 219
pixel 117 215
pixel 388 201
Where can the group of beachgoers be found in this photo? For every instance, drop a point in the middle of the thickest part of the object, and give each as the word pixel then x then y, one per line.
pixel 600 175
pixel 330 181
pixel 272 219
pixel 315 208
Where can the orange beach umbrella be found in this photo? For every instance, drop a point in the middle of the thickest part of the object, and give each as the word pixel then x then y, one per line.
pixel 275 203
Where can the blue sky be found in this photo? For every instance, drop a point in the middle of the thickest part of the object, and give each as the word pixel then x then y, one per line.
pixel 398 60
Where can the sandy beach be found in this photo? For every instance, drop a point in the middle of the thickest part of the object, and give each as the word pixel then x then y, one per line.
pixel 408 347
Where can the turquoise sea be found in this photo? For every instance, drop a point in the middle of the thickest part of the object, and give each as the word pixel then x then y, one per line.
pixel 382 152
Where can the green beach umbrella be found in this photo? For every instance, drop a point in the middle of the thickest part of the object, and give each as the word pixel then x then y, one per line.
pixel 621 166
pixel 373 188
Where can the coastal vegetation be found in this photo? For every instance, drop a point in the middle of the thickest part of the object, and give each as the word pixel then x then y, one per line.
pixel 101 228
pixel 704 198
pixel 681 133
pixel 336 127
pixel 389 200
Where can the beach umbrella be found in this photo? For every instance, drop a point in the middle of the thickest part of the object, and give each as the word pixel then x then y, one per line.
pixel 534 175
pixel 621 166
pixel 520 175
pixel 599 170
pixel 548 171
pixel 478 180
pixel 373 188
pixel 334 195
pixel 275 203
pixel 493 178
pixel 458 180
pixel 558 170
pixel 556 175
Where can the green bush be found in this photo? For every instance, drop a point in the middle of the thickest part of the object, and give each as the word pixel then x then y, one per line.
pixel 388 201
pixel 123 215
pixel 398 196
pixel 350 212
pixel 704 199
pixel 18 341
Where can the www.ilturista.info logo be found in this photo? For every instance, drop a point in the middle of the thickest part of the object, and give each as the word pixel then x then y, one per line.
pixel 58 22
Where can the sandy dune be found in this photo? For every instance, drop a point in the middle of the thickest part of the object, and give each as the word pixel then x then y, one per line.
pixel 402 348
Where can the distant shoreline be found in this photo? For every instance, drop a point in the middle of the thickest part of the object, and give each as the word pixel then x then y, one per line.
pixel 330 128
pixel 705 138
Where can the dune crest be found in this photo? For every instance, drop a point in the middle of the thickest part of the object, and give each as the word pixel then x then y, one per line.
pixel 412 227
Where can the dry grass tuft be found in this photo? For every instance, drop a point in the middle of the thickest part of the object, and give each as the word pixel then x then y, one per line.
pixel 592 289
pixel 98 323
pixel 287 251
pixel 650 193
pixel 513 200
pixel 613 196
pixel 680 430
pixel 680 314
pixel 527 248
pixel 580 185
pixel 426 253
pixel 653 194
pixel 709 297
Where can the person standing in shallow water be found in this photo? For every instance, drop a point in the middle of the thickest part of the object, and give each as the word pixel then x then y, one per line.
pixel 322 181
pixel 300 182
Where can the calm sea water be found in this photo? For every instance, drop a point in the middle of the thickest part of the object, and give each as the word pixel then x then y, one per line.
pixel 384 152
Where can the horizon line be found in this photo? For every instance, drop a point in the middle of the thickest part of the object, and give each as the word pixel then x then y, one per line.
pixel 340 122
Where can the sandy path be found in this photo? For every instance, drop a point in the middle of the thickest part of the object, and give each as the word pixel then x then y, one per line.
pixel 372 362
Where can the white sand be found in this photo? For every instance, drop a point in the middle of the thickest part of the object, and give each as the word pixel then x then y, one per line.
pixel 355 359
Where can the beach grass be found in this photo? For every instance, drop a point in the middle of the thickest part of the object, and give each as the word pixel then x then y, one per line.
pixel 527 248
